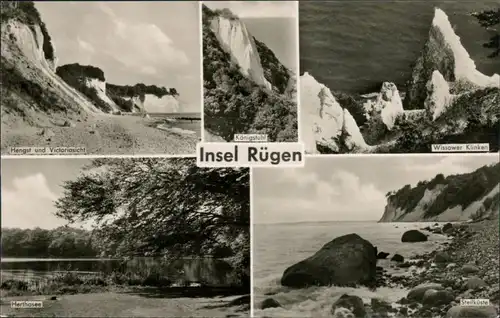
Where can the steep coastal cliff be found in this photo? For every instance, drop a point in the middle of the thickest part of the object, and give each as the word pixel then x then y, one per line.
pixel 246 88
pixel 461 197
pixel 31 91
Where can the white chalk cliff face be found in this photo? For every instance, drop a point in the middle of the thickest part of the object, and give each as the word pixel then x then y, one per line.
pixel 154 104
pixel 235 39
pixel 394 213
pixel 22 45
pixel 445 53
pixel 465 68
pixel 323 122
pixel 387 104
pixel 100 87
pixel 438 95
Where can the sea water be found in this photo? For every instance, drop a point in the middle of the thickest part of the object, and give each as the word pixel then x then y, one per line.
pixel 278 246
pixel 354 46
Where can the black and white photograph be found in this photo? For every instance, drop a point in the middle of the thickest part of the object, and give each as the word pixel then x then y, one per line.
pixel 250 66
pixel 114 78
pixel 377 236
pixel 399 76
pixel 128 237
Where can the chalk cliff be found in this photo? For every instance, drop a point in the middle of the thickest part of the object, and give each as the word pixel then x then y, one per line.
pixel 387 105
pixel 461 197
pixel 324 123
pixel 31 90
pixel 234 37
pixel 438 95
pixel 152 103
pixel 444 52
pixel 247 90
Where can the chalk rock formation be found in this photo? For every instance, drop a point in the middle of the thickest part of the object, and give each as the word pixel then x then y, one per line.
pixel 387 104
pixel 234 37
pixel 323 122
pixel 153 103
pixel 23 49
pixel 100 88
pixel 438 95
pixel 444 52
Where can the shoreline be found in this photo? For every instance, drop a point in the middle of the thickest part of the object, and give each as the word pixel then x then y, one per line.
pixel 464 267
pixel 105 134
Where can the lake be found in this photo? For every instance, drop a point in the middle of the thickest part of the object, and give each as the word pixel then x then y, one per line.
pixel 211 271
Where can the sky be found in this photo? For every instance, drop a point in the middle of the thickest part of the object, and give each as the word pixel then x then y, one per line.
pixel 262 16
pixel 155 43
pixel 346 188
pixel 31 186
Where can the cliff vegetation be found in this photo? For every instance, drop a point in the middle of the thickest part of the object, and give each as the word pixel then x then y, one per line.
pixel 457 190
pixel 234 104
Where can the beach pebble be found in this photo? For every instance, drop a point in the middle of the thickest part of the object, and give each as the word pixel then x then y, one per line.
pixel 382 255
pixel 380 306
pixel 398 258
pixel 353 303
pixel 468 312
pixel 417 293
pixel 47 133
pixel 442 257
pixel 447 227
pixel 469 269
pixel 451 265
pixel 475 283
pixel 342 313
pixel 68 123
pixel 437 298
pixel 270 303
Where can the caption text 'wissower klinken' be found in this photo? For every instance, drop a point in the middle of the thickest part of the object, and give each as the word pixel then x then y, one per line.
pixel 250 154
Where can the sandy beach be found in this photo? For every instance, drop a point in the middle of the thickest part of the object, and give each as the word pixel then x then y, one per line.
pixel 103 134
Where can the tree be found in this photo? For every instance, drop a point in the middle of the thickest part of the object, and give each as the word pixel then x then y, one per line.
pixel 167 207
pixel 489 19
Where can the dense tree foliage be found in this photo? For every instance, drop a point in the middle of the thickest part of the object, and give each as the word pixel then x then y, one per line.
pixel 140 90
pixel 25 12
pixel 458 190
pixel 80 71
pixel 76 76
pixel 169 207
pixel 234 104
pixel 62 242
pixel 490 19
pixel 274 72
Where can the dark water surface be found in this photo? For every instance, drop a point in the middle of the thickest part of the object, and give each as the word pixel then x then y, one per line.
pixel 355 45
pixel 208 270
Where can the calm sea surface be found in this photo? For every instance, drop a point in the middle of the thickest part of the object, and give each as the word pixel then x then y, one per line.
pixel 186 124
pixel 354 45
pixel 279 246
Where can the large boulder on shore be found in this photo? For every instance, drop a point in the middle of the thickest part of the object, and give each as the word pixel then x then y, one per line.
pixel 413 236
pixel 345 261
